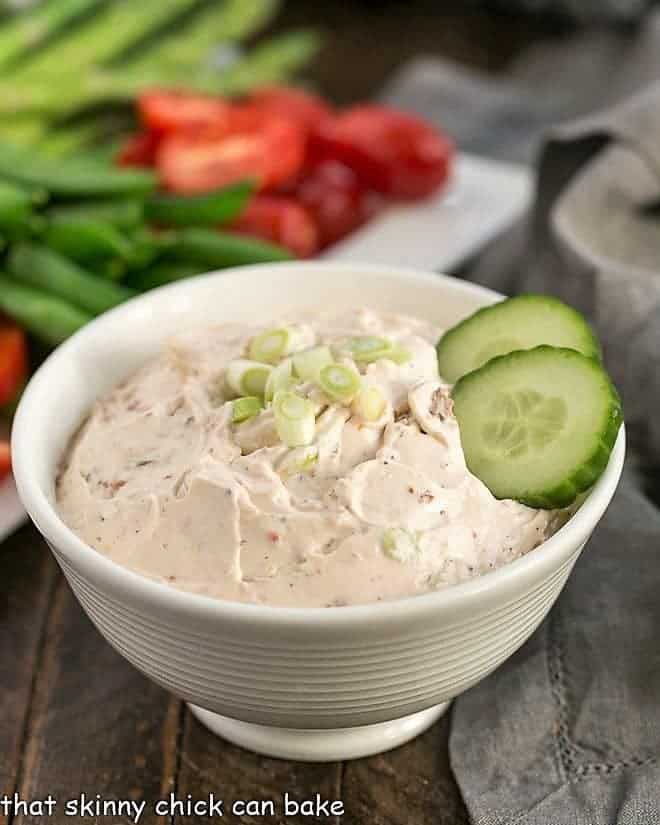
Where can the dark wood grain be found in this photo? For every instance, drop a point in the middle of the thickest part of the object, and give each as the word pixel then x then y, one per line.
pixel 411 785
pixel 209 765
pixel 27 576
pixel 96 725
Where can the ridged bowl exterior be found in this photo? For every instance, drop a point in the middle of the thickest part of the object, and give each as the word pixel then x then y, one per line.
pixel 301 668
pixel 292 678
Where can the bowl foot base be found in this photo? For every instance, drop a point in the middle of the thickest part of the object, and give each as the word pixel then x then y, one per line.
pixel 320 745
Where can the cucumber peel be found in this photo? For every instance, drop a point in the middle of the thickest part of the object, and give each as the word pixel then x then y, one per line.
pixel 538 425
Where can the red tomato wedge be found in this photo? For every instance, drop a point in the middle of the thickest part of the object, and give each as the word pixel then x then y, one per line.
pixel 302 108
pixel 251 145
pixel 13 362
pixel 166 111
pixel 139 150
pixel 392 152
pixel 5 459
pixel 281 220
pixel 332 193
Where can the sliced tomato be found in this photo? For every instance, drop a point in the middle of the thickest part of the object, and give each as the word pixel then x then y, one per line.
pixel 303 108
pixel 166 111
pixel 281 220
pixel 139 150
pixel 392 152
pixel 5 459
pixel 253 145
pixel 334 196
pixel 13 362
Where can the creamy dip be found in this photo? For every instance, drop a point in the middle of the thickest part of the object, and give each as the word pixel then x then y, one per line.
pixel 160 479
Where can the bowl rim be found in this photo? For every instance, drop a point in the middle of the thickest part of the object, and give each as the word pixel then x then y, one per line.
pixel 160 595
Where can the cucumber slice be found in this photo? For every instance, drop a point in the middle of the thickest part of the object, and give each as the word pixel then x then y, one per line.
pixel 538 425
pixel 517 323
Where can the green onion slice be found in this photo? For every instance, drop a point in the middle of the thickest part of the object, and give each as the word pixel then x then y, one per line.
pixel 280 378
pixel 309 363
pixel 399 544
pixel 245 377
pixel 368 348
pixel 294 419
pixel 398 354
pixel 245 408
pixel 273 345
pixel 369 404
pixel 300 460
pixel 339 382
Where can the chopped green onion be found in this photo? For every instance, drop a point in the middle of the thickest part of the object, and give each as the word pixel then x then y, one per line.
pixel 305 464
pixel 309 363
pixel 300 460
pixel 246 377
pixel 279 379
pixel 273 345
pixel 294 419
pixel 369 404
pixel 398 354
pixel 368 348
pixel 399 544
pixel 339 382
pixel 246 407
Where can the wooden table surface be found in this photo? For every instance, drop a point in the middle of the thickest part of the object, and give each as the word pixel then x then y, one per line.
pixel 76 718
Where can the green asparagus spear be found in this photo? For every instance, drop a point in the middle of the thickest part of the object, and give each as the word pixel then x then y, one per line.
pixel 215 250
pixel 49 319
pixel 214 25
pixel 61 91
pixel 24 34
pixel 117 25
pixel 214 208
pixel 85 239
pixel 41 268
pixel 125 215
pixel 68 178
pixel 271 62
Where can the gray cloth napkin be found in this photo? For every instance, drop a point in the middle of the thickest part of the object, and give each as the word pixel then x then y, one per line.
pixel 567 732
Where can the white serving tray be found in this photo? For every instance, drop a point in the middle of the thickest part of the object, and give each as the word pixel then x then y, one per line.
pixel 484 197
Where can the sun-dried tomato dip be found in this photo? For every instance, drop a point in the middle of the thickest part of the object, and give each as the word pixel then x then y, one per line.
pixel 167 478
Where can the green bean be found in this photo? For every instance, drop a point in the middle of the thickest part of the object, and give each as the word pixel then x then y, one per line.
pixel 213 208
pixel 40 267
pixel 125 215
pixel 160 274
pixel 85 240
pixel 112 269
pixel 215 250
pixel 48 318
pixel 72 178
pixel 16 209
pixel 147 246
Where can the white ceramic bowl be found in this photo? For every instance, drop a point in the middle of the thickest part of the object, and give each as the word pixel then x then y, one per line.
pixel 308 683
